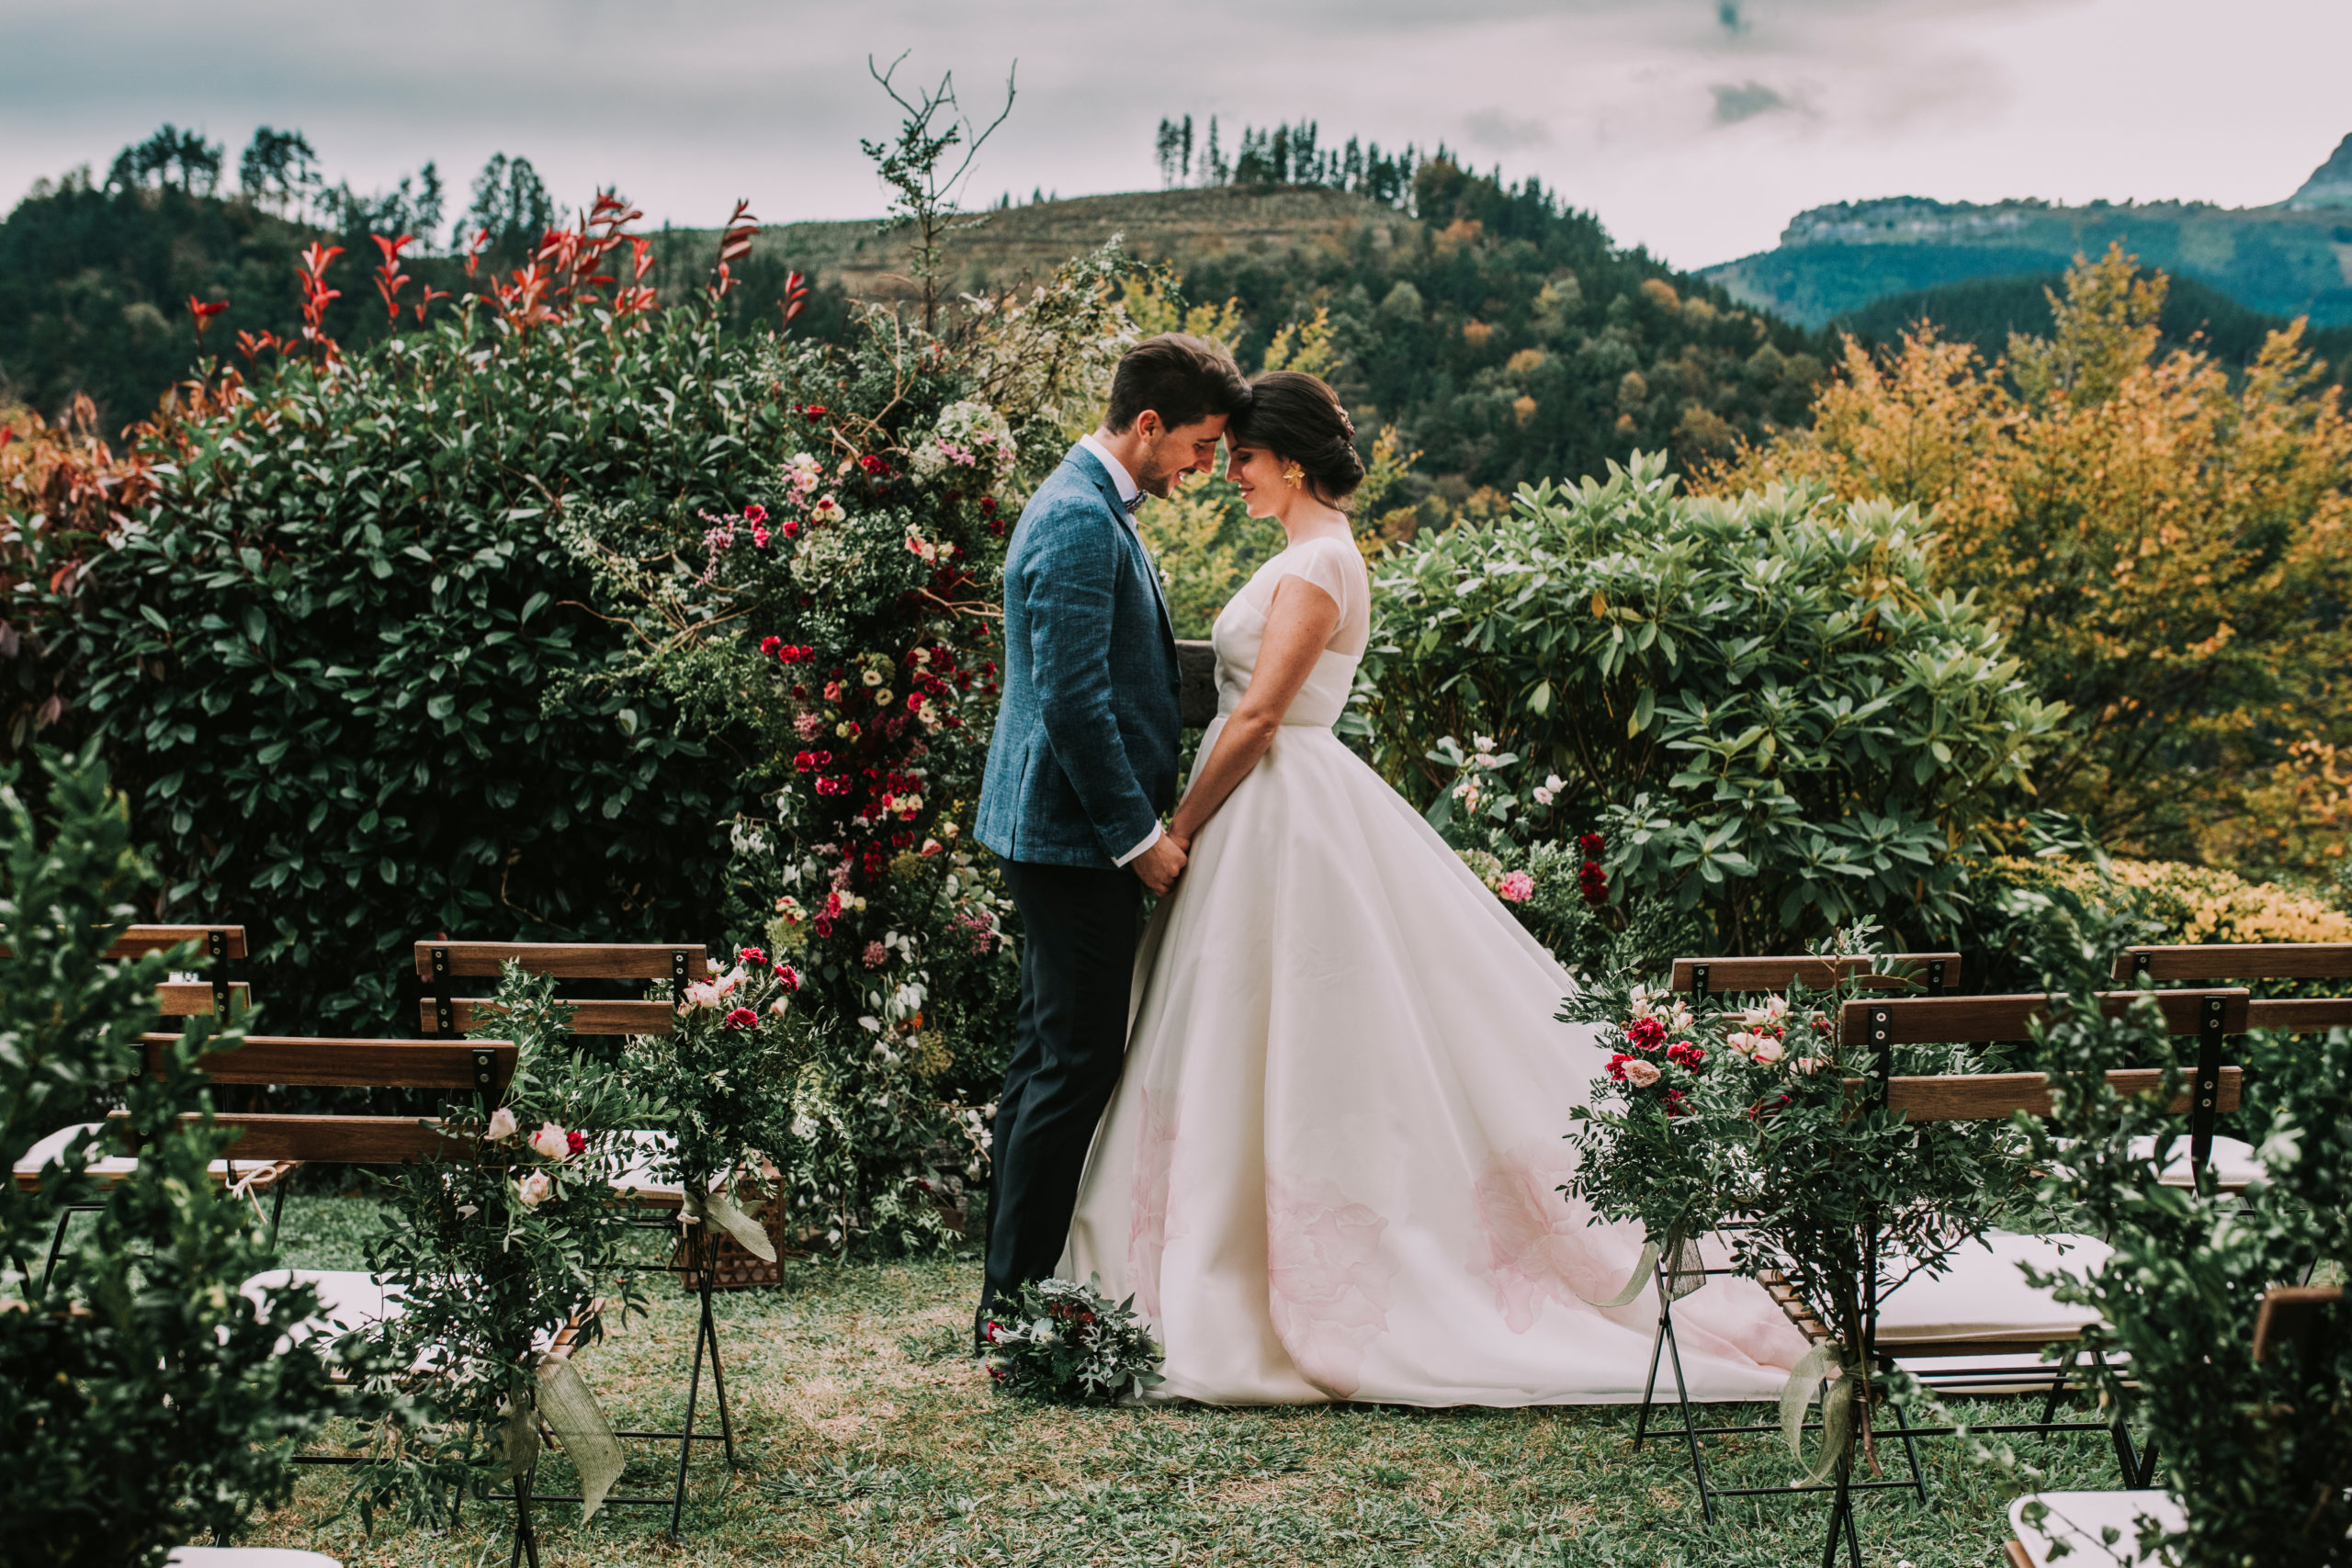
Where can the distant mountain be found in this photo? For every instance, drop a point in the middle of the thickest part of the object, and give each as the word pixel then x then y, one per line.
pixel 2293 259
pixel 1986 310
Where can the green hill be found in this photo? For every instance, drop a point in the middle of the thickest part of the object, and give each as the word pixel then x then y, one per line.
pixel 1986 310
pixel 2292 259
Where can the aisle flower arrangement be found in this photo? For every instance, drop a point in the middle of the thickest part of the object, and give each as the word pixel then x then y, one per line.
pixel 1754 1119
pixel 1071 1343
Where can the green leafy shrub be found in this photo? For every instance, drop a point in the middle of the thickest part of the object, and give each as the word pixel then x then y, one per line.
pixel 1071 1343
pixel 2260 1455
pixel 142 1399
pixel 328 652
pixel 1760 703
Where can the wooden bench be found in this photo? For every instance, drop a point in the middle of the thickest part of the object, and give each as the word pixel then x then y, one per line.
pixel 2227 963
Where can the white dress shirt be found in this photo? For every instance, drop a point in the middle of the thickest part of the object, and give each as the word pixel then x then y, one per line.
pixel 1128 489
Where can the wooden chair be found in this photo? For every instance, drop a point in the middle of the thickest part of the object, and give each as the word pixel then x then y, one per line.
pixel 1704 977
pixel 440 964
pixel 1981 1308
pixel 1773 975
pixel 2077 1518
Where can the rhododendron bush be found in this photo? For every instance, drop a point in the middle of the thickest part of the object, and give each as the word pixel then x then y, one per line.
pixel 835 628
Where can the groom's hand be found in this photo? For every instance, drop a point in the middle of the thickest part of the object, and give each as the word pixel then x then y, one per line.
pixel 1161 864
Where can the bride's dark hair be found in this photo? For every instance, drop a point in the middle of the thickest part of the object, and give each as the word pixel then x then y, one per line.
pixel 1298 418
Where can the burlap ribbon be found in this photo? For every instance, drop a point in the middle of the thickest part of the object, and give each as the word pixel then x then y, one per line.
pixel 716 1208
pixel 562 1401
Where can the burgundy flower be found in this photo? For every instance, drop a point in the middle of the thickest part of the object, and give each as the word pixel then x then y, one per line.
pixel 755 514
pixel 770 646
pixel 577 1140
pixel 1646 1034
pixel 1682 1053
pixel 788 977
pixel 742 1017
pixel 749 955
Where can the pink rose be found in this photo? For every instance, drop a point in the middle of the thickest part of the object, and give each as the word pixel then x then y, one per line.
pixel 502 1125
pixel 1516 888
pixel 1640 1074
pixel 1769 1049
pixel 535 1189
pixel 550 1142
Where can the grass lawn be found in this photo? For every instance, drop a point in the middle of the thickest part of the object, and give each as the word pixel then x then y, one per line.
pixel 865 1438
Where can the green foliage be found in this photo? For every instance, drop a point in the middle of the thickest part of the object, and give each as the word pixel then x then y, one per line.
pixel 1761 703
pixel 1511 341
pixel 327 651
pixel 142 1398
pixel 2260 1455
pixel 497 1245
pixel 1071 1343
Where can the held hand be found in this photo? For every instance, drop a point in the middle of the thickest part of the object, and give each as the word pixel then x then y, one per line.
pixel 1160 865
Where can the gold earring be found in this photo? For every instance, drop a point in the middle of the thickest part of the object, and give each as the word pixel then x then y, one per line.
pixel 1294 477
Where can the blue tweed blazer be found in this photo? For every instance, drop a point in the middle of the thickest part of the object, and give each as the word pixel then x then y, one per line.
pixel 1083 760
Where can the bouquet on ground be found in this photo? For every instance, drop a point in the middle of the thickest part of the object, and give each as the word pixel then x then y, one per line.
pixel 1071 1343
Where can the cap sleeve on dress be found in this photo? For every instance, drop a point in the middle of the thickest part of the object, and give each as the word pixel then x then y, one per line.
pixel 1331 565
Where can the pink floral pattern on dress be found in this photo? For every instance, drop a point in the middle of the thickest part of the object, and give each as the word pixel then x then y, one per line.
pixel 1327 1280
pixel 1148 1216
pixel 1534 1246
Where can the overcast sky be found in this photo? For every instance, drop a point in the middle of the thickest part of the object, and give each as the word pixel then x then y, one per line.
pixel 1697 127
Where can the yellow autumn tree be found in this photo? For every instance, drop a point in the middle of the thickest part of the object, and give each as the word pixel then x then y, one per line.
pixel 2165 544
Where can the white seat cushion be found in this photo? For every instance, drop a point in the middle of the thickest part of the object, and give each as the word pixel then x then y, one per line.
pixel 2234 1164
pixel 2079 1517
pixel 108 1168
pixel 1984 1296
pixel 247 1557
pixel 349 1298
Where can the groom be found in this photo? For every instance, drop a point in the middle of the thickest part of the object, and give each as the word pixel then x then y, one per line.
pixel 1082 766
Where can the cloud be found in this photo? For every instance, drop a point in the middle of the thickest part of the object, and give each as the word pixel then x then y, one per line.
pixel 1745 100
pixel 1504 132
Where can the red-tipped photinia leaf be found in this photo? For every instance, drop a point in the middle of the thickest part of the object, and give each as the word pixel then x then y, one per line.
pixel 796 297
pixel 474 248
pixel 204 313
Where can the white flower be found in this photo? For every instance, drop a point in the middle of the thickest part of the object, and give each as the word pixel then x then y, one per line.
pixel 502 1125
pixel 1677 1019
pixel 1741 1042
pixel 1769 1016
pixel 1482 743
pixel 1555 782
pixel 535 1189
pixel 1486 759
pixel 1543 796
pixel 1769 1049
pixel 1808 1066
pixel 550 1142
pixel 780 1005
pixel 804 1127
pixel 873 677
pixel 467 1211
pixel 1640 1074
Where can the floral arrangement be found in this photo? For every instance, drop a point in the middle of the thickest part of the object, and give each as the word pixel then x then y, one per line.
pixel 495 1244
pixel 1071 1343
pixel 1754 1119
pixel 725 1073
pixel 839 629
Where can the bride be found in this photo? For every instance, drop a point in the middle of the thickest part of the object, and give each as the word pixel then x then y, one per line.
pixel 1330 1170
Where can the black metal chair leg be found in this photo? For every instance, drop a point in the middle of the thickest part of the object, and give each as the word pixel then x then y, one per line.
pixel 695 1255
pixel 277 1211
pixel 717 1374
pixel 1841 1522
pixel 56 1245
pixel 527 1535
pixel 2058 1385
pixel 1689 1417
pixel 1649 1389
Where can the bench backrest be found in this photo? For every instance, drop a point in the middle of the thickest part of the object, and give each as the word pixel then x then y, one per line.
pixel 1881 1024
pixel 440 964
pixel 1722 977
pixel 485 1066
pixel 2219 963
pixel 185 998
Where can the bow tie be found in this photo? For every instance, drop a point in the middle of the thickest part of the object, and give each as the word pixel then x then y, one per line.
pixel 1133 503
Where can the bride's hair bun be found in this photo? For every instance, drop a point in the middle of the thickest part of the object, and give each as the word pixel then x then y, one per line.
pixel 1298 418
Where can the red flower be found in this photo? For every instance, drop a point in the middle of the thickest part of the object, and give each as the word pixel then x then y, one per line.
pixel 791 529
pixel 749 955
pixel 576 1140
pixel 870 463
pixel 755 514
pixel 816 411
pixel 1683 1054
pixel 787 976
pixel 742 1017
pixel 1617 1066
pixel 1590 844
pixel 1675 1104
pixel 770 646
pixel 988 504
pixel 1646 1034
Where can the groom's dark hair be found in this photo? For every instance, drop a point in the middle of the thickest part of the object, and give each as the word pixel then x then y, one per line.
pixel 1180 378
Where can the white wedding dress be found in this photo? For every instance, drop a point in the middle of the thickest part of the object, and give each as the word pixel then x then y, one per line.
pixel 1329 1170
